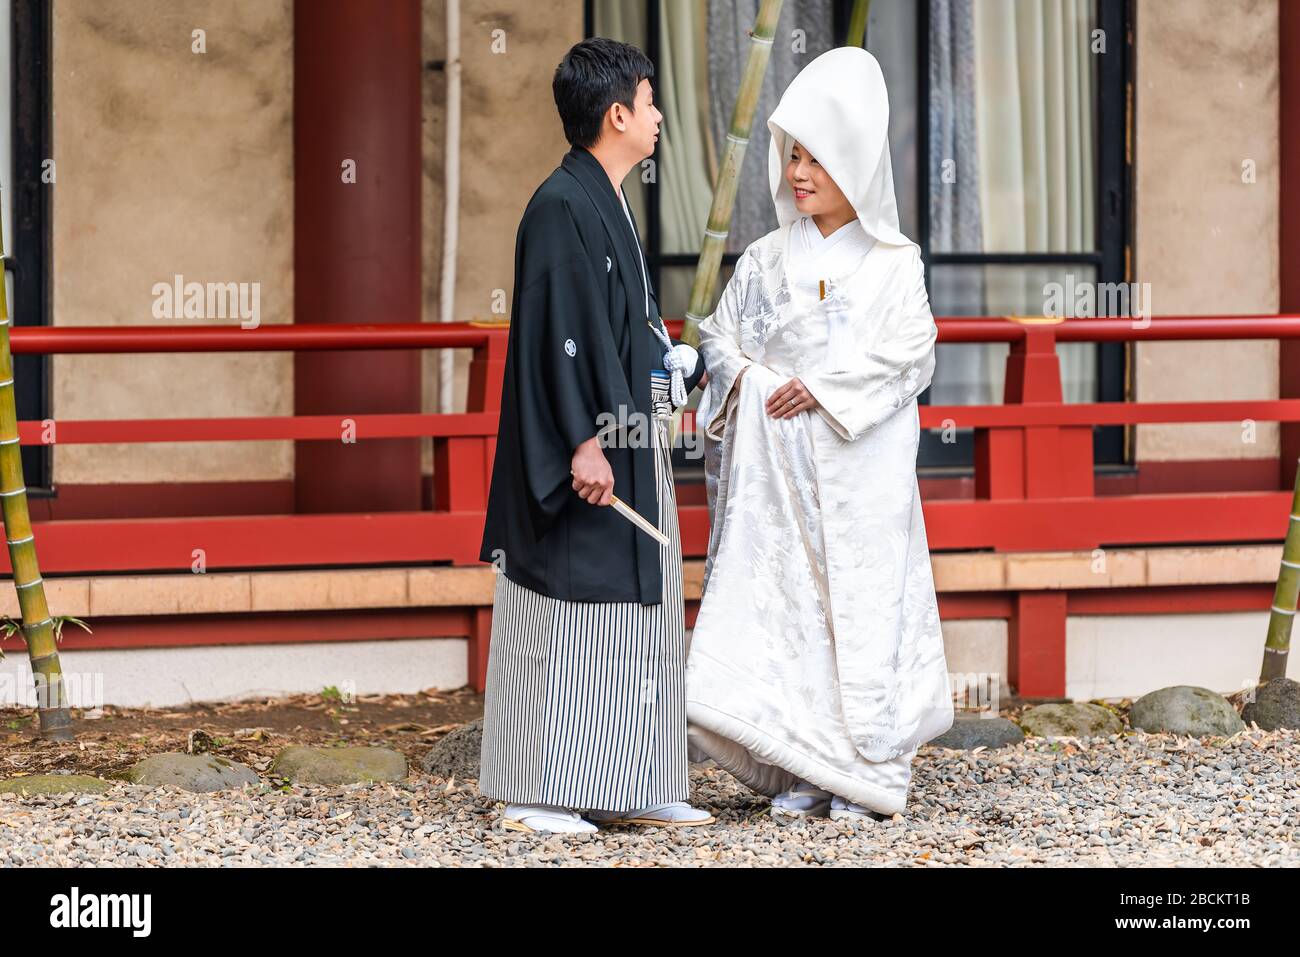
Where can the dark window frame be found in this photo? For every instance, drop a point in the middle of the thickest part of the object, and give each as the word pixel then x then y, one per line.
pixel 29 257
pixel 1114 214
pixel 1113 224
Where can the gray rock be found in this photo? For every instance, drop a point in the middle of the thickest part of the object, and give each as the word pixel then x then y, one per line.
pixel 1070 719
pixel 192 772
pixel 1185 709
pixel 359 765
pixel 969 732
pixel 456 754
pixel 1276 705
pixel 55 784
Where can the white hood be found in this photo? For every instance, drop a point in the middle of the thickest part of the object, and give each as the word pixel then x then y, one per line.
pixel 838 109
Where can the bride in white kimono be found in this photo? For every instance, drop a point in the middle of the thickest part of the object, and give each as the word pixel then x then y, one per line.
pixel 816 668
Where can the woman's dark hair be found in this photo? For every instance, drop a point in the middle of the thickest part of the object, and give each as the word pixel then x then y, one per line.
pixel 593 76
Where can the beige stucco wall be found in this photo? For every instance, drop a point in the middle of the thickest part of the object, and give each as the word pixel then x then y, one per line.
pixel 1207 102
pixel 510 141
pixel 171 162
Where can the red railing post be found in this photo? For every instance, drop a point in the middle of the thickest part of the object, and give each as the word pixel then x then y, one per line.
pixel 487 371
pixel 1035 462
pixel 486 377
pixel 462 465
pixel 480 634
pixel 1036 644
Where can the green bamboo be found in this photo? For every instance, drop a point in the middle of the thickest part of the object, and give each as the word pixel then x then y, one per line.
pixel 724 192
pixel 857 35
pixel 1277 646
pixel 39 631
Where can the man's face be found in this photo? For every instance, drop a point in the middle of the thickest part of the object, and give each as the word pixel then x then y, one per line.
pixel 641 130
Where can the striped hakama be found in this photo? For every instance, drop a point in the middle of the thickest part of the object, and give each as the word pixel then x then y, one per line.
pixel 585 705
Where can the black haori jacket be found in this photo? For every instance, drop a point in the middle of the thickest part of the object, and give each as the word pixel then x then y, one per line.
pixel 579 347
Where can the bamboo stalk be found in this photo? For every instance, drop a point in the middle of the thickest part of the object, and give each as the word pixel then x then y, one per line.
pixel 724 193
pixel 1277 646
pixel 38 626
pixel 857 35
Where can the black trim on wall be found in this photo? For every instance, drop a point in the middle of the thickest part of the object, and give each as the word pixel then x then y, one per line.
pixel 1115 213
pixel 29 257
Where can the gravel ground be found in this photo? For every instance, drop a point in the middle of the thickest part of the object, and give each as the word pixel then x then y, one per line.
pixel 1138 800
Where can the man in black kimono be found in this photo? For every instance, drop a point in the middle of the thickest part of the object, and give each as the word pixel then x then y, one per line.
pixel 585 700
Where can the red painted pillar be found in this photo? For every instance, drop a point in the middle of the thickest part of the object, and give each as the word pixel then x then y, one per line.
pixel 1289 222
pixel 357 73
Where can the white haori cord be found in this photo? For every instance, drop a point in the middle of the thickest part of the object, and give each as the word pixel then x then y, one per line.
pixel 839 342
pixel 679 360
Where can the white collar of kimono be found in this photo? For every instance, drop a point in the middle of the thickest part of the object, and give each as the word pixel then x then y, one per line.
pixel 645 282
pixel 837 107
pixel 813 256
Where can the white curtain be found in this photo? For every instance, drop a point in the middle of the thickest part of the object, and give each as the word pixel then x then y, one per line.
pixel 684 147
pixel 1034 108
pixel 687 158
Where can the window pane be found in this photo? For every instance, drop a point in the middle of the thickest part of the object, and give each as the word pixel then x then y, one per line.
pixel 674 289
pixel 974 373
pixel 1012 126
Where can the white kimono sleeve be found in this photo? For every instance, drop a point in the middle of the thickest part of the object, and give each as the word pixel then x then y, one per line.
pixel 720 346
pixel 879 381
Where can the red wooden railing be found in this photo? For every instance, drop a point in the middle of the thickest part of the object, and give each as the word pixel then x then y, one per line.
pixel 1034 479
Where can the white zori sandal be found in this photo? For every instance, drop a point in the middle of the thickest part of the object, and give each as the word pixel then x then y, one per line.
pixel 671 814
pixel 802 800
pixel 842 810
pixel 544 818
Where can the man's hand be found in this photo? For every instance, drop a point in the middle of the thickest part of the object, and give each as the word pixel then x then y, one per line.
pixel 593 479
pixel 789 400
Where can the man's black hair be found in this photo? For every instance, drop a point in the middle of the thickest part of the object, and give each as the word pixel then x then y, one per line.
pixel 593 76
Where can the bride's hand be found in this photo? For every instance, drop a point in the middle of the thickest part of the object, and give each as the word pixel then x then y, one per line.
pixel 790 399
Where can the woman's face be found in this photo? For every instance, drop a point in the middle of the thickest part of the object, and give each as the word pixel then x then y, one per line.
pixel 815 193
